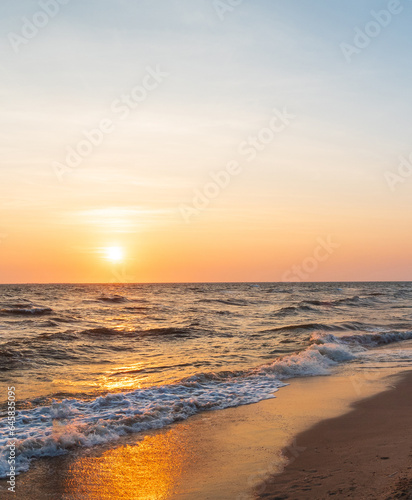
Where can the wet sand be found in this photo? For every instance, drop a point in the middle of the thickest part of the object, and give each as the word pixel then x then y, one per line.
pixel 231 454
pixel 365 454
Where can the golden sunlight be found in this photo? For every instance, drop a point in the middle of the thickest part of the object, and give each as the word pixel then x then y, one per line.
pixel 115 254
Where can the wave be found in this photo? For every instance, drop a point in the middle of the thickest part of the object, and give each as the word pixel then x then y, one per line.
pixel 353 301
pixel 26 311
pixel 47 324
pixel 340 327
pixel 67 335
pixel 285 311
pixel 172 331
pixel 104 331
pixel 84 423
pixel 114 299
pixel 107 418
pixel 161 332
pixel 304 326
pixel 307 305
pixel 136 308
pixel 151 369
pixel 365 339
pixel 66 346
pixel 229 302
pixel 47 348
pixel 25 303
pixel 67 319
pixel 223 313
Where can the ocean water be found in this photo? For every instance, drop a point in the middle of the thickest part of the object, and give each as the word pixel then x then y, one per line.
pixel 92 363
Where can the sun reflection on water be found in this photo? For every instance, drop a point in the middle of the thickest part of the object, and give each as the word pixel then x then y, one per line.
pixel 148 470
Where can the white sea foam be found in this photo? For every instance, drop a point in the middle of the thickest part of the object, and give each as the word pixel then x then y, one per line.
pixel 55 429
pixel 52 430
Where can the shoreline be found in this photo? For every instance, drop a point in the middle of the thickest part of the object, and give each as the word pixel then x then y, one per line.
pixel 363 454
pixel 217 455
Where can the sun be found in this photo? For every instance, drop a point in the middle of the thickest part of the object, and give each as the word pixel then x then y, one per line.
pixel 115 254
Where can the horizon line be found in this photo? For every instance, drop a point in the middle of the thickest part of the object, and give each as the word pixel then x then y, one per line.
pixel 201 282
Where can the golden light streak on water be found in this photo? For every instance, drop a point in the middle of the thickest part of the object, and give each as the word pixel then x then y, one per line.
pixel 149 470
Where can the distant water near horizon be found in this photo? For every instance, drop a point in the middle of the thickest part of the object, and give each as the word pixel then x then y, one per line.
pixel 91 363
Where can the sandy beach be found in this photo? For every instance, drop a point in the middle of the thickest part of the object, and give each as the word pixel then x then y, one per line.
pixel 239 453
pixel 364 454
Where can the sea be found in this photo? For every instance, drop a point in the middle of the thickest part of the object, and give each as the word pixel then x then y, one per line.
pixel 91 363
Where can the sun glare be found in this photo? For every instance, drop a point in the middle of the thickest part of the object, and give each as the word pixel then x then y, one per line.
pixel 114 254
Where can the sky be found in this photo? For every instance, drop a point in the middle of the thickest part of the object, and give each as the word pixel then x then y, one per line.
pixel 205 140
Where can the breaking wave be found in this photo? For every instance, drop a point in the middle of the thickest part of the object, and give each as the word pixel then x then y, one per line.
pixel 84 423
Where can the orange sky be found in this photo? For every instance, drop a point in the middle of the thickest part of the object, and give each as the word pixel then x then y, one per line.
pixel 204 149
